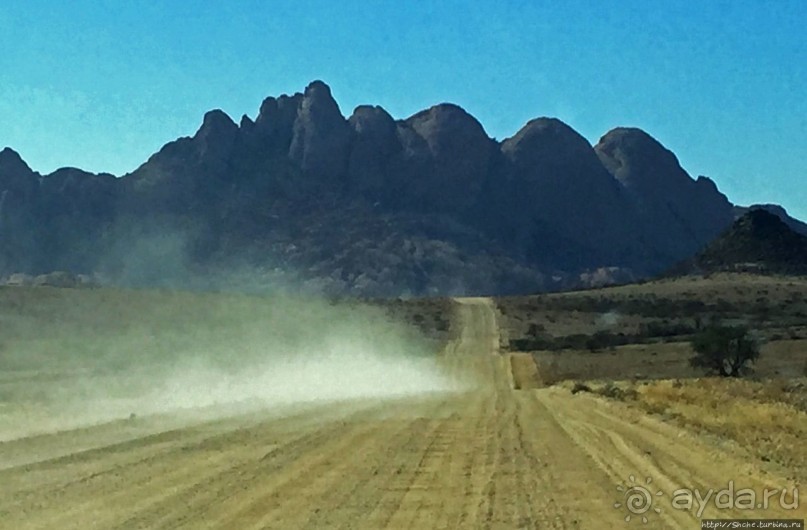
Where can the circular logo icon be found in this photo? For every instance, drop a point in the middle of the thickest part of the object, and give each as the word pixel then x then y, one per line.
pixel 637 499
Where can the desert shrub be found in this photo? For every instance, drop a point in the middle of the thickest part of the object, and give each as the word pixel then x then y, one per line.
pixel 724 350
pixel 724 306
pixel 604 339
pixel 535 330
pixel 648 306
pixel 533 344
pixel 580 387
pixel 611 391
pixel 666 328
pixel 578 341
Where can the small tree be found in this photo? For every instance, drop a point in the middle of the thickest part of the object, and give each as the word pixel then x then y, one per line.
pixel 725 350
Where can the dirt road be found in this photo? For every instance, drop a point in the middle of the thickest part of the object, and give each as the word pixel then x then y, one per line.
pixel 491 457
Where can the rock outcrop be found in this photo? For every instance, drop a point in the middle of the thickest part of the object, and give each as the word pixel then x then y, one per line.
pixel 578 209
pixel 759 242
pixel 375 143
pixel 320 136
pixel 681 214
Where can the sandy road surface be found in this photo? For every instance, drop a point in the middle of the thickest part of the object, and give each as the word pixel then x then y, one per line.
pixel 491 457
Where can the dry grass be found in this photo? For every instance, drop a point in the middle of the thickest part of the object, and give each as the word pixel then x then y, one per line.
pixel 776 305
pixel 767 418
pixel 766 414
pixel 786 359
pixel 633 361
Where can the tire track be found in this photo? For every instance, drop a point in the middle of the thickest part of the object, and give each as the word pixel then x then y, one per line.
pixel 130 483
pixel 621 448
pixel 296 496
pixel 194 502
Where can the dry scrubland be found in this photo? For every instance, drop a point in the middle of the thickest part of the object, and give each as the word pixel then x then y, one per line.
pixel 630 344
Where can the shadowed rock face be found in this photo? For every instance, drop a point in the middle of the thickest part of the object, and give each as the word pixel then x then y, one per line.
pixel 369 205
pixel 375 142
pixel 275 121
pixel 549 149
pixel 56 221
pixel 320 135
pixel 680 213
pixel 15 175
pixel 559 178
pixel 447 157
pixel 18 213
pixel 216 138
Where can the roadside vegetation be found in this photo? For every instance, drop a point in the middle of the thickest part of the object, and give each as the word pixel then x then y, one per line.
pixel 723 356
pixel 727 351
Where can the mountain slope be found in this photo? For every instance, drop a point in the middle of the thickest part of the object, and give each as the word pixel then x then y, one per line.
pixel 673 207
pixel 759 241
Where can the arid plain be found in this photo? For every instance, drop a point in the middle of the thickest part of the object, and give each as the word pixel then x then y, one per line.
pixel 457 429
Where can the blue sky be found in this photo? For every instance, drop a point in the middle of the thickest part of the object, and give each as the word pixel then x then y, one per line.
pixel 103 84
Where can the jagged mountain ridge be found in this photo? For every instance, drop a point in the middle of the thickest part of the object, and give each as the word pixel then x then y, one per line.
pixel 368 204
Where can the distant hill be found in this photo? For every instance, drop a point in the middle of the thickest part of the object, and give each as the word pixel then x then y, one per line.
pixel 778 211
pixel 757 242
pixel 367 204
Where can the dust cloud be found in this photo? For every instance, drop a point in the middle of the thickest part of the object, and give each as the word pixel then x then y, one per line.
pixel 609 319
pixel 72 357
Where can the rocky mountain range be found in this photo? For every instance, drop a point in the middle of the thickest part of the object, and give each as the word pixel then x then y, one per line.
pixel 368 205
